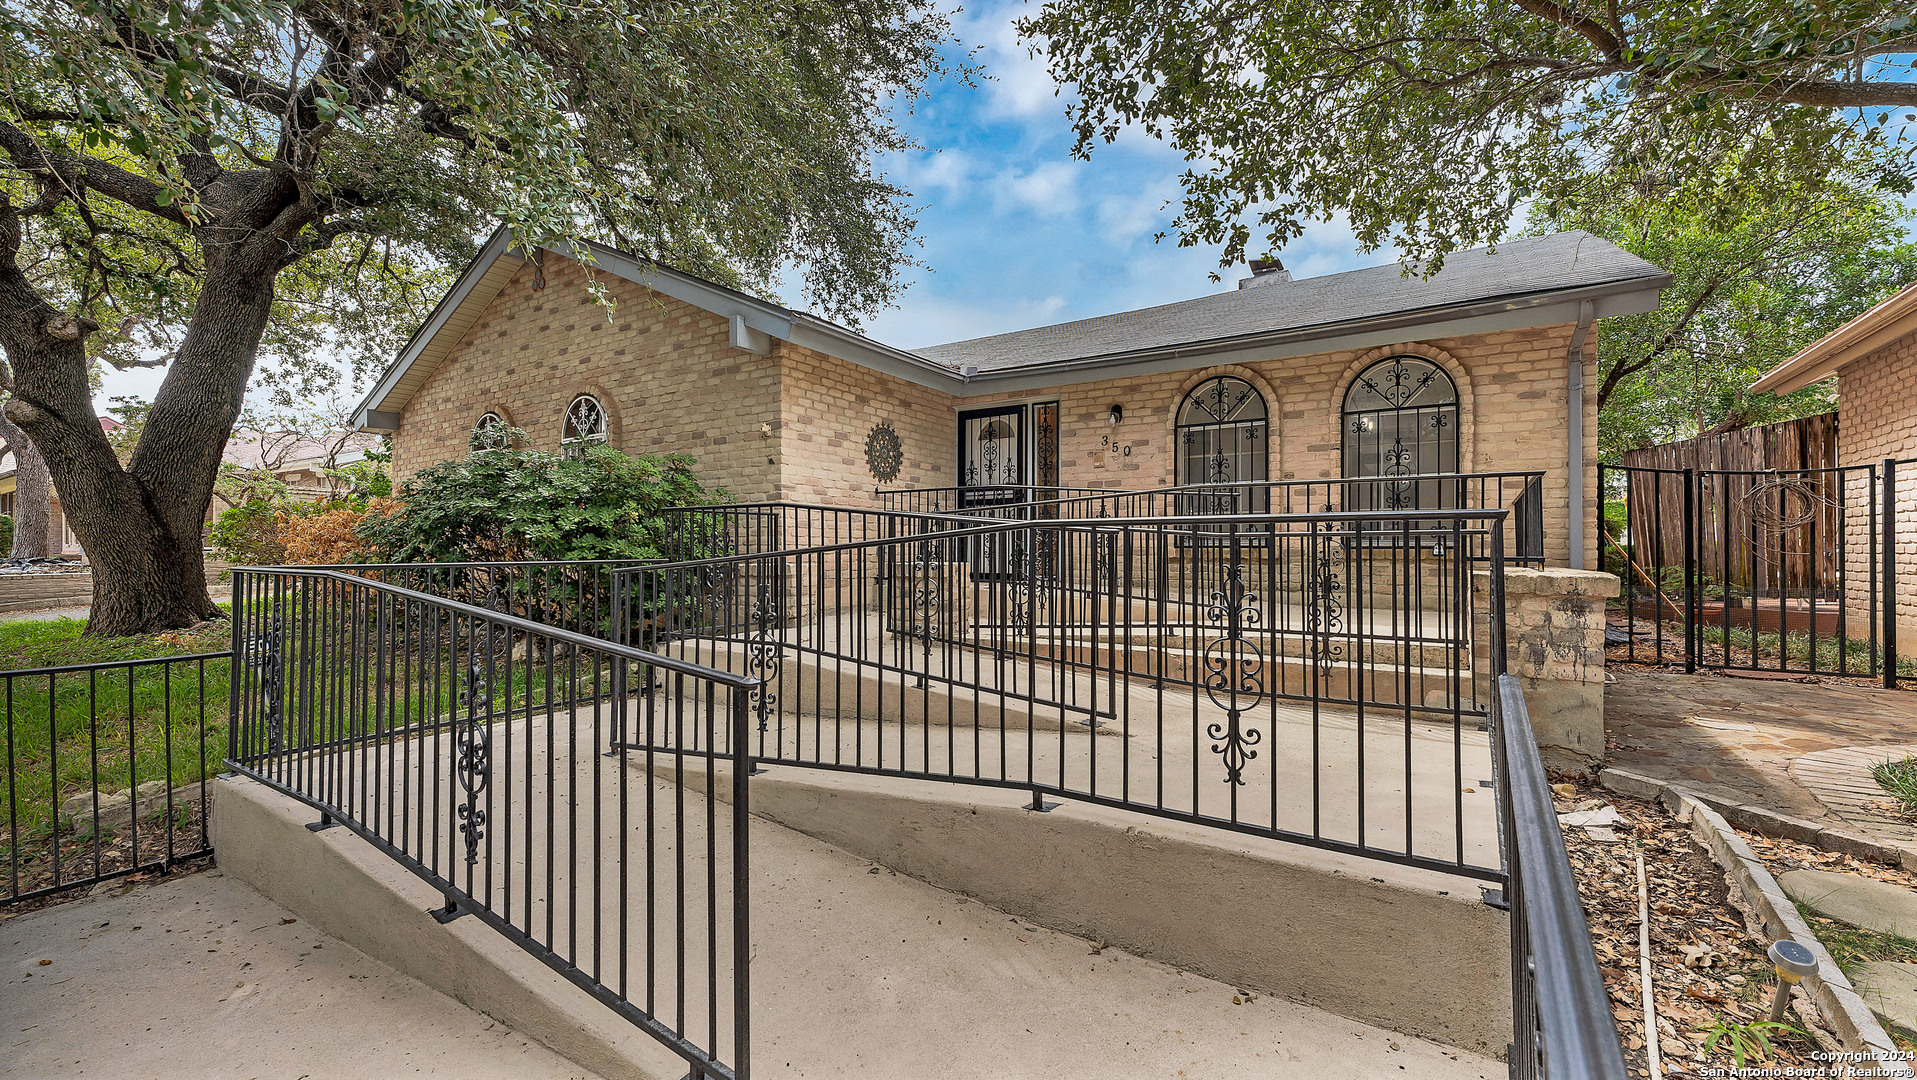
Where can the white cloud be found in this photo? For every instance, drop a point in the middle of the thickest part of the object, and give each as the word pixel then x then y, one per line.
pixel 1019 84
pixel 1050 189
pixel 929 320
pixel 950 171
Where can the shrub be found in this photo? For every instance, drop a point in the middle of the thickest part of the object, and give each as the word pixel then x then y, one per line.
pixel 6 535
pixel 249 534
pixel 326 534
pixel 535 505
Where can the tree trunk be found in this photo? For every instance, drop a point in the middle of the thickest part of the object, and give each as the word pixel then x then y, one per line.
pixel 32 495
pixel 141 524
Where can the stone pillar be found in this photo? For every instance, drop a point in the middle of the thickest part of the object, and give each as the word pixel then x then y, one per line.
pixel 1554 644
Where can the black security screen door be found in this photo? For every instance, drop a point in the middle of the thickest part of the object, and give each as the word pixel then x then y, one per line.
pixel 992 455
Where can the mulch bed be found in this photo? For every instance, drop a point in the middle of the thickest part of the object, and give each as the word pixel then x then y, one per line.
pixel 114 851
pixel 1708 966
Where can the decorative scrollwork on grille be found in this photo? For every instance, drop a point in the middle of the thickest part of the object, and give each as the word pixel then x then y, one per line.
pixel 1018 605
pixel 1234 672
pixel 928 568
pixel 1324 603
pixel 473 765
pixel 267 652
pixel 765 656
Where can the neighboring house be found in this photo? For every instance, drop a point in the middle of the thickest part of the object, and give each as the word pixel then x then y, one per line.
pixel 1365 373
pixel 59 532
pixel 1874 358
pixel 296 459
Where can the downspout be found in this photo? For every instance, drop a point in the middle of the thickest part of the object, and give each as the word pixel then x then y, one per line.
pixel 1574 453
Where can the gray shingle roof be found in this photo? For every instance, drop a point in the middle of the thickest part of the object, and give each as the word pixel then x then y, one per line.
pixel 1548 264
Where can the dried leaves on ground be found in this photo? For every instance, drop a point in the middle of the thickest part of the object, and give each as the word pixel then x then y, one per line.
pixel 1708 969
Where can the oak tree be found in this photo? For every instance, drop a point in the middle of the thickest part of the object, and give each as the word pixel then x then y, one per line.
pixel 1432 123
pixel 215 182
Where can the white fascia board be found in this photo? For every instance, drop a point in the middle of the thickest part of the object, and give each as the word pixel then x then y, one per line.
pixel 768 319
pixel 863 351
pixel 495 247
pixel 1459 322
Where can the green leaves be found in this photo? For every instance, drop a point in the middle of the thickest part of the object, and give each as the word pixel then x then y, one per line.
pixel 530 504
pixel 1427 121
pixel 1762 269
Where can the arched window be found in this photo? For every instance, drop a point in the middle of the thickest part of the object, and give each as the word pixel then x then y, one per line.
pixel 1401 419
pixel 1222 437
pixel 490 433
pixel 585 426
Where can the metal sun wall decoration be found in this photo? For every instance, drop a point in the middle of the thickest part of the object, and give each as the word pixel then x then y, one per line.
pixel 884 454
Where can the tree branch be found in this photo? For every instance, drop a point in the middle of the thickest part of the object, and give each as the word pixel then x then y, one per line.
pixel 1584 26
pixel 77 172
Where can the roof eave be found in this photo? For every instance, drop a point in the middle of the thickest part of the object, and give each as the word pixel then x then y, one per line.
pixel 1620 297
pixel 1889 320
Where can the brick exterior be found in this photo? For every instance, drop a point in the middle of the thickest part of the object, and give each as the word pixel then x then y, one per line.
pixel 671 382
pixel 663 369
pixel 1877 419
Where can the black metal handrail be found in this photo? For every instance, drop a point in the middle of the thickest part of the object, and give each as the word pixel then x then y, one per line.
pixel 1006 653
pixel 1561 1021
pixel 570 593
pixel 466 744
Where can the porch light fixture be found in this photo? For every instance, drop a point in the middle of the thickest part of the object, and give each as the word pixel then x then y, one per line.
pixel 1117 414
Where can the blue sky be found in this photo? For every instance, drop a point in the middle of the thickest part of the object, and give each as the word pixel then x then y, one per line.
pixel 1017 233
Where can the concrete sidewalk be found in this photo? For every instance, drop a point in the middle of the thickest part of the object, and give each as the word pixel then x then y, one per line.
pixel 201 976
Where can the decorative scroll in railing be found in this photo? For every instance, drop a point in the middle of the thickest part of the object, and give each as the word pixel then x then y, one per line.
pixel 468 745
pixel 107 767
pixel 1320 678
pixel 1560 1014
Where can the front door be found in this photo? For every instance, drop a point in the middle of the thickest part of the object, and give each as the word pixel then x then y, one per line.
pixel 1008 458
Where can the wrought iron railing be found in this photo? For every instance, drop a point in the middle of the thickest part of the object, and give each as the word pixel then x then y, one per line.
pixel 572 594
pixel 1780 570
pixel 1287 678
pixel 1522 493
pixel 107 767
pixel 1561 1016
pixel 467 745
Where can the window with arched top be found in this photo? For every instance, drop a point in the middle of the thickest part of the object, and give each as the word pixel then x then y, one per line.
pixel 1223 436
pixel 584 426
pixel 490 433
pixel 1400 419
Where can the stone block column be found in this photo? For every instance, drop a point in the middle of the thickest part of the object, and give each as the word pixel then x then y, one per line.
pixel 1554 644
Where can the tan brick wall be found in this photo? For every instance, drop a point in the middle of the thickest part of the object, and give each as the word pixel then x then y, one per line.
pixel 829 406
pixel 663 369
pixel 672 383
pixel 1512 417
pixel 1877 419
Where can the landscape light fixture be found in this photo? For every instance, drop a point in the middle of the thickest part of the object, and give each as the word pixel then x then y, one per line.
pixel 1793 960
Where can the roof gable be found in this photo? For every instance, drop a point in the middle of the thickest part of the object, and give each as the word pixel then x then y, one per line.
pixel 1535 282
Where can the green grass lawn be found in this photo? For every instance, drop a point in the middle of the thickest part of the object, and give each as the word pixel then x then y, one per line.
pixel 112 728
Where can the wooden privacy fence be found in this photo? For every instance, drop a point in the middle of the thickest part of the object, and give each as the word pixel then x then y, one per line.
pixel 1769 505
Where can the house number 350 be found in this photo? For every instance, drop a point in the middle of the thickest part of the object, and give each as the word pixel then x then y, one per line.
pixel 1105 442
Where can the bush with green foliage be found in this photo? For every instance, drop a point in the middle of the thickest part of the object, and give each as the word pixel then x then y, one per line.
pixel 510 504
pixel 6 535
pixel 249 534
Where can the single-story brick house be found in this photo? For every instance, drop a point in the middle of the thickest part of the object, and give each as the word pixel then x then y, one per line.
pixel 1479 368
pixel 1874 358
